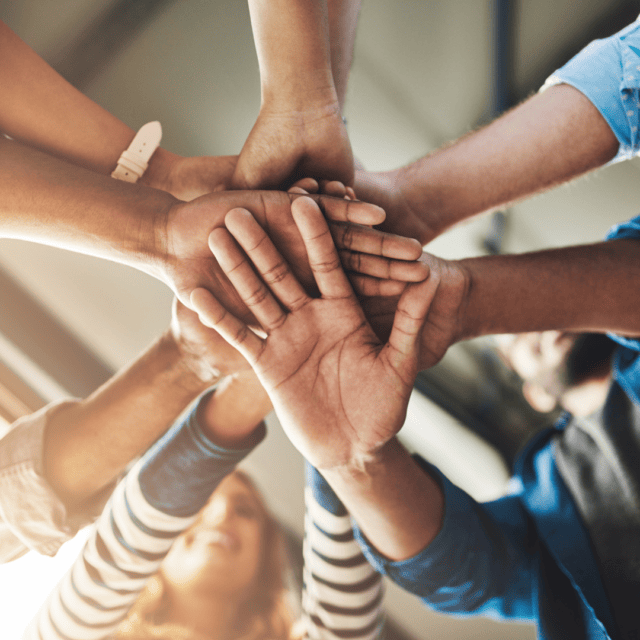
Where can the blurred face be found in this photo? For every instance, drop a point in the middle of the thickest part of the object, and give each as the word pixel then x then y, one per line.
pixel 221 553
pixel 539 358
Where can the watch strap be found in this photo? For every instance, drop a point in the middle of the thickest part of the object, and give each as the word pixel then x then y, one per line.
pixel 135 159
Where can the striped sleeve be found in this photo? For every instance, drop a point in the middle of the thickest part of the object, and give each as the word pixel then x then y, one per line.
pixel 342 593
pixel 155 502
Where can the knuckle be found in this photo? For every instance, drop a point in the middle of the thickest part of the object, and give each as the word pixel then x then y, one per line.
pixel 277 273
pixel 257 297
pixel 326 266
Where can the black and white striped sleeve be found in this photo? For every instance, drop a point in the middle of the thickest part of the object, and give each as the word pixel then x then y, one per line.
pixel 157 500
pixel 342 593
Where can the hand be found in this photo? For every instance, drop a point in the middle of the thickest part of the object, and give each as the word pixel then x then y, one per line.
pixel 189 178
pixel 286 144
pixel 385 189
pixel 184 260
pixel 445 318
pixel 203 350
pixel 339 392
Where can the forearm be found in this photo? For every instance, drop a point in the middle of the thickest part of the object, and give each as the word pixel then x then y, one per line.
pixel 553 137
pixel 292 43
pixel 232 416
pixel 584 288
pixel 156 501
pixel 89 444
pixel 343 20
pixel 41 109
pixel 395 503
pixel 52 202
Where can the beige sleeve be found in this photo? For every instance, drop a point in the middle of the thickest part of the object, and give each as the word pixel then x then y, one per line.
pixel 32 517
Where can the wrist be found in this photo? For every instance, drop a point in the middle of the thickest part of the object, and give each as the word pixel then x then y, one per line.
pixel 300 97
pixel 159 173
pixel 360 466
pixel 180 368
pixel 226 416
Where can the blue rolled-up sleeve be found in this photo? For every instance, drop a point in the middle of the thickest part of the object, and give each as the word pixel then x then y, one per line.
pixel 483 560
pixel 607 72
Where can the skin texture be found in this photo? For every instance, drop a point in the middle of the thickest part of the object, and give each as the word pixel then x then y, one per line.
pixel 52 202
pixel 299 130
pixel 340 394
pixel 577 289
pixel 317 348
pixel 88 444
pixel 549 139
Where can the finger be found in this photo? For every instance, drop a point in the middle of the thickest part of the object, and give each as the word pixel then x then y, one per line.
pixel 347 210
pixel 212 314
pixel 271 266
pixel 308 184
pixel 298 190
pixel 251 289
pixel 323 256
pixel 356 237
pixel 409 318
pixel 333 188
pixel 368 287
pixel 351 193
pixel 384 268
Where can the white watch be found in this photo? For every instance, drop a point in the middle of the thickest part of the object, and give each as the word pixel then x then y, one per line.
pixel 134 161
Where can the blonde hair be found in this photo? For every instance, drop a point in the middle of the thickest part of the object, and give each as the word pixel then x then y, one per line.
pixel 265 616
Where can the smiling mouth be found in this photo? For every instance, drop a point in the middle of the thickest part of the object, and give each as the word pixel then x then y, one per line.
pixel 220 538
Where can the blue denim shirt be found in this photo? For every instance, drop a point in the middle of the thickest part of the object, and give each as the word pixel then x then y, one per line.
pixel 608 73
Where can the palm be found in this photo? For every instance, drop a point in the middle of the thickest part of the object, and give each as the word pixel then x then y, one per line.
pixel 338 391
pixel 324 366
pixel 283 148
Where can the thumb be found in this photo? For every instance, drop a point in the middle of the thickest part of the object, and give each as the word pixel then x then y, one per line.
pixel 411 313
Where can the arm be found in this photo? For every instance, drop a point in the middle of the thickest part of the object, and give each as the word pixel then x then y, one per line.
pixel 342 593
pixel 87 445
pixel 299 131
pixel 341 396
pixel 156 501
pixel 584 119
pixel 41 109
pixel 587 288
pixel 551 138
pixel 46 200
pixel 435 541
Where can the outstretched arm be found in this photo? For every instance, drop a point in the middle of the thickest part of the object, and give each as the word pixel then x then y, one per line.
pixel 584 119
pixel 88 444
pixel 551 138
pixel 41 109
pixel 46 200
pixel 586 288
pixel 157 500
pixel 340 394
pixel 299 131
